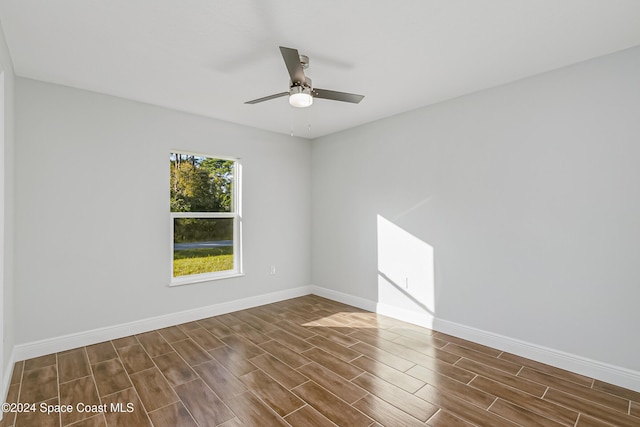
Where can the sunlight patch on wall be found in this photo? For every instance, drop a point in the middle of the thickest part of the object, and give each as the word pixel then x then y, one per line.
pixel 405 269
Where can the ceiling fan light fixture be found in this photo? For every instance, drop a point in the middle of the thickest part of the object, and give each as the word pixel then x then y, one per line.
pixel 301 91
pixel 300 96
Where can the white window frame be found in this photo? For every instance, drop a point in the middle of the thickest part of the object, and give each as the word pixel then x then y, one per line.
pixel 235 214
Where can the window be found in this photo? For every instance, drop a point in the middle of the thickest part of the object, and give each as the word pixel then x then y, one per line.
pixel 205 218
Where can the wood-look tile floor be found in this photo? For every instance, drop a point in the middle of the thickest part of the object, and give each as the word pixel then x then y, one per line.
pixel 306 362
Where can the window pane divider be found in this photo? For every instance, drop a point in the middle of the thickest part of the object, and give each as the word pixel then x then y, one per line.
pixel 203 214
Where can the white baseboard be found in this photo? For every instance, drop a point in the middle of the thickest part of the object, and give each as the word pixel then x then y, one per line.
pixel 619 376
pixel 362 303
pixel 94 336
pixel 592 368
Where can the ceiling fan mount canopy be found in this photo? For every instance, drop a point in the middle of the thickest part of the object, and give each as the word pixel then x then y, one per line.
pixel 304 61
pixel 301 91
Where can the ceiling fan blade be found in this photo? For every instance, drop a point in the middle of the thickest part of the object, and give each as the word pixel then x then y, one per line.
pixel 337 96
pixel 267 98
pixel 292 61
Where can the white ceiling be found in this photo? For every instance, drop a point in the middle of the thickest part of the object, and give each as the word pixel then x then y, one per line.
pixel 210 56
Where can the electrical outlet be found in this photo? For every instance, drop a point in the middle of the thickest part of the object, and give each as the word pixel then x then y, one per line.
pixel 272 270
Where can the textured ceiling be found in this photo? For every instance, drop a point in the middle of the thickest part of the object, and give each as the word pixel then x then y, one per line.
pixel 209 56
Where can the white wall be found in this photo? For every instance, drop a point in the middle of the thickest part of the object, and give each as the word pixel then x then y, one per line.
pixel 92 215
pixel 6 216
pixel 527 194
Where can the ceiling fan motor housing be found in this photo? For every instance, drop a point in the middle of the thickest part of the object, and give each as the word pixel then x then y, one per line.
pixel 307 83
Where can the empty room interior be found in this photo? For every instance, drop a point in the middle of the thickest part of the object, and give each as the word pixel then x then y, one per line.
pixel 320 213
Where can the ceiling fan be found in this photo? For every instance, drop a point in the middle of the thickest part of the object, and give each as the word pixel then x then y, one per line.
pixel 301 92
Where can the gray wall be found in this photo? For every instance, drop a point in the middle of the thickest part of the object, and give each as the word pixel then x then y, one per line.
pixel 527 194
pixel 7 217
pixel 92 210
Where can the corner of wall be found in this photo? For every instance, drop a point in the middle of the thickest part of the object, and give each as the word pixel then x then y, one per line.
pixel 7 215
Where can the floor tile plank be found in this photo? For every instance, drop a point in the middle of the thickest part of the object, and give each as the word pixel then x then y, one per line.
pixel 462 408
pixel 124 342
pixel 491 361
pixel 286 339
pixel 396 396
pixel 279 371
pixel 234 360
pixel 253 413
pixel 95 421
pixel 426 335
pixel 134 358
pixel 244 347
pixel 39 384
pixel 446 419
pixel 597 396
pixel 174 368
pixel 255 322
pixel 81 391
pixel 617 390
pixel 334 335
pixel 331 406
pixel 383 356
pixel 110 377
pixel 101 352
pixel 339 351
pixel 251 334
pixel 384 413
pixel 520 415
pixel 542 407
pixel 18 368
pixel 278 398
pixel 191 352
pixel 308 417
pixel 205 407
pixel 390 375
pixel 528 386
pixel 174 415
pixel 423 346
pixel 172 334
pixel 73 365
pixel 587 421
pixel 560 373
pixel 590 408
pixel 222 382
pixel 132 413
pixel 332 363
pixel 40 362
pixel 153 389
pixel 289 357
pixel 295 329
pixel 342 388
pixel 39 418
pixel 154 344
pixel 468 344
pixel 214 326
pixel 204 339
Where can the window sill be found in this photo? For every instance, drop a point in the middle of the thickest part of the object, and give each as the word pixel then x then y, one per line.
pixel 199 278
